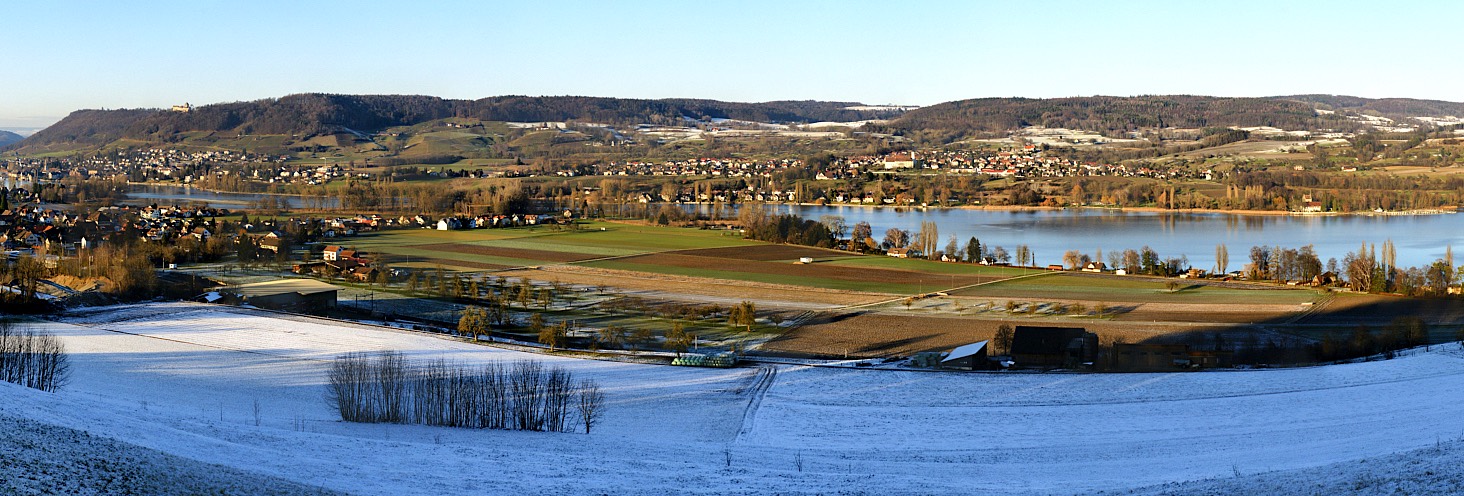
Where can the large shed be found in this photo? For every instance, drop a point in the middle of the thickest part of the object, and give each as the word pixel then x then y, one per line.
pixel 1053 347
pixel 289 295
pixel 967 357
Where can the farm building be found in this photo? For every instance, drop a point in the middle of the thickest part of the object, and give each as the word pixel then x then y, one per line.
pixel 1165 357
pixel 1211 359
pixel 967 357
pixel 1053 347
pixel 1150 357
pixel 290 295
pixel 903 252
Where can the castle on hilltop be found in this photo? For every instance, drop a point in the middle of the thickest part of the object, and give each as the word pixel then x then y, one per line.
pixel 185 108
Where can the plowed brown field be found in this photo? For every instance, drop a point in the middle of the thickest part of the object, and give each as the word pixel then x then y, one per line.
pixel 764 252
pixel 861 274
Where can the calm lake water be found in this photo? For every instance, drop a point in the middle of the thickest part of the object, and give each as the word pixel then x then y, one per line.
pixel 142 194
pixel 1419 239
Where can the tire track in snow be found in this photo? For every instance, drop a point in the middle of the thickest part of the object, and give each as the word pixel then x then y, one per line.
pixel 759 388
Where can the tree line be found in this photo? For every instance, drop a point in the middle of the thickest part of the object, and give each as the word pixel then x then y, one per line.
pixel 522 395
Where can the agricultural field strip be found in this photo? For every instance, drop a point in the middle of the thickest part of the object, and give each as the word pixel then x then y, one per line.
pixel 859 275
pixel 762 276
pixel 506 253
pixel 702 288
pixel 929 267
pixel 765 252
pixel 1063 286
pixel 951 290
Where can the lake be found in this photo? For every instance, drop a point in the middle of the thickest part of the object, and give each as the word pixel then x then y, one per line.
pixel 1419 239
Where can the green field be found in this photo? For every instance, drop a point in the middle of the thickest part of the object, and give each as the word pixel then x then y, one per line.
pixel 594 239
pixel 1113 289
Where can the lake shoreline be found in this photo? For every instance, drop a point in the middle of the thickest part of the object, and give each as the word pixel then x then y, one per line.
pixel 991 208
pixel 1039 208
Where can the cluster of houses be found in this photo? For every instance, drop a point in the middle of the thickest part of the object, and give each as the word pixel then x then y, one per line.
pixel 1074 348
pixel 492 221
pixel 135 164
pixel 711 167
pixel 751 193
pixel 1027 162
pixel 31 230
pixel 337 260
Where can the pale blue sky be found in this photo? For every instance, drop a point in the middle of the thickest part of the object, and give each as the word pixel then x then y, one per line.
pixel 61 56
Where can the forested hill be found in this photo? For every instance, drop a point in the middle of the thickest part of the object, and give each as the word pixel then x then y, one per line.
pixel 7 137
pixel 308 114
pixel 1109 114
pixel 1396 108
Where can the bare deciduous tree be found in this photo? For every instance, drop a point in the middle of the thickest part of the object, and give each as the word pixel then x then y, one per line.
pixel 1003 338
pixel 591 403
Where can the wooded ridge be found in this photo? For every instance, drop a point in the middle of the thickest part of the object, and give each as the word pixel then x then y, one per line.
pixel 304 115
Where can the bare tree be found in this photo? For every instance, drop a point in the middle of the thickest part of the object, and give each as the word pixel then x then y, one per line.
pixel 591 404
pixel 1222 258
pixel 1003 338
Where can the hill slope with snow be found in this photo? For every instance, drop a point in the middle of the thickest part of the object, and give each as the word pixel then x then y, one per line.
pixel 183 378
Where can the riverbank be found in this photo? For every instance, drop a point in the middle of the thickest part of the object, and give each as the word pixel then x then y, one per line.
pixel 221 191
pixel 1096 208
pixel 993 208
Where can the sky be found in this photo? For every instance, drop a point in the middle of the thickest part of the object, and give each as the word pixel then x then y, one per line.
pixel 60 56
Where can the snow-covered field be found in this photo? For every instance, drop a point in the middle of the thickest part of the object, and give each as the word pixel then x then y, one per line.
pixel 183 379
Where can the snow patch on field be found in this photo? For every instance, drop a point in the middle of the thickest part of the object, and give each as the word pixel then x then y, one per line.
pixel 183 379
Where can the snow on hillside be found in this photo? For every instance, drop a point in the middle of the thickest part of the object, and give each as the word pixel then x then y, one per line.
pixel 183 379
pixel 1432 470
pixel 36 458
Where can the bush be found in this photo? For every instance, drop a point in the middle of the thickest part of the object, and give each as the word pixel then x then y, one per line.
pixel 32 359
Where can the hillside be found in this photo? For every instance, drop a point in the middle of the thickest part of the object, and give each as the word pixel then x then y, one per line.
pixel 244 389
pixel 7 137
pixel 306 115
pixel 84 128
pixel 303 122
pixel 1108 114
pixel 1396 108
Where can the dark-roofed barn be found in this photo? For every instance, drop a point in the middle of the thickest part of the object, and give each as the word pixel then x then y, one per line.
pixel 1053 347
pixel 289 295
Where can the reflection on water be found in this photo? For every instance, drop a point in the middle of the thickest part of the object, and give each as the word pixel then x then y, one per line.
pixel 165 194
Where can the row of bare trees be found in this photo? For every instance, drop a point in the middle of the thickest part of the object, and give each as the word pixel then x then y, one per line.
pixel 522 395
pixel 32 359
